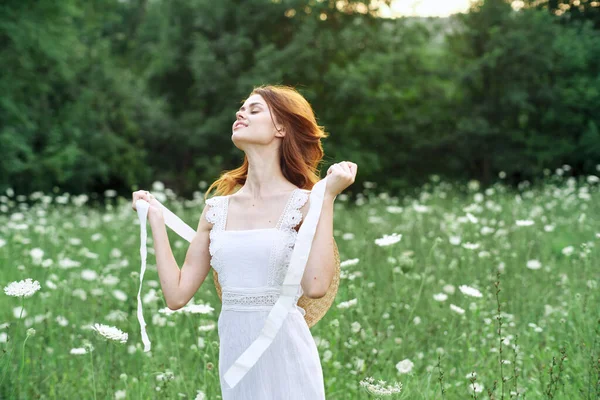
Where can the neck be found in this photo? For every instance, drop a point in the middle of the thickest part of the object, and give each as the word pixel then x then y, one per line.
pixel 265 179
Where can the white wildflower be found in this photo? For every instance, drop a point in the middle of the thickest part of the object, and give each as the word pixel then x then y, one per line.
pixel 207 327
pixel 454 240
pixel 189 309
pixel 567 251
pixel 476 387
pixel 111 332
pixel 119 295
pixel 347 263
pixel 593 179
pixel 347 304
pixel 200 395
pixel 405 366
pixel 524 222
pixel 89 275
pixel 457 309
pixel 472 218
pixel 387 240
pixel 36 254
pixel 469 291
pixel 116 315
pixel 440 297
pixel 78 350
pixel 394 209
pixel 25 288
pixel 449 289
pixel 380 389
pixel 421 208
pixel 166 376
pixel 158 186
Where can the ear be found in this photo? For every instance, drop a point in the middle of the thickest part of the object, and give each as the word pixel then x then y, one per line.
pixel 280 131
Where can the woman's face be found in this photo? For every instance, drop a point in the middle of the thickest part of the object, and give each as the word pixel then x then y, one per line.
pixel 254 123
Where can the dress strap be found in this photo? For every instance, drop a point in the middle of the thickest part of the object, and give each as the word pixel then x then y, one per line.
pixel 292 215
pixel 217 213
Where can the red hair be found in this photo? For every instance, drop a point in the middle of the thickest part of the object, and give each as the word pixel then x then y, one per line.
pixel 301 150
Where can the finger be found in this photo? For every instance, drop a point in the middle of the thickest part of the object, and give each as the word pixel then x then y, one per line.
pixel 143 196
pixel 352 168
pixel 140 195
pixel 346 169
pixel 344 165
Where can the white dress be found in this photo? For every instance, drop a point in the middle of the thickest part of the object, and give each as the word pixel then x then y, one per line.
pixel 252 265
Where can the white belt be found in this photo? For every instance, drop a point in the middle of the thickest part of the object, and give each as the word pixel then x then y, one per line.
pixel 289 289
pixel 261 298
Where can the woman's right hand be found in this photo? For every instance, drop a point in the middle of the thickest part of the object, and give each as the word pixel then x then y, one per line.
pixel 154 210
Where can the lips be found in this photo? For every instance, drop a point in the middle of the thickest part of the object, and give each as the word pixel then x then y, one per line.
pixel 238 124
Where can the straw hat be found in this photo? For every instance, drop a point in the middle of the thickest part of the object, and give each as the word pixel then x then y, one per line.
pixel 315 308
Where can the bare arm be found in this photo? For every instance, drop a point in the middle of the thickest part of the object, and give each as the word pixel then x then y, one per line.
pixel 197 262
pixel 179 286
pixel 321 264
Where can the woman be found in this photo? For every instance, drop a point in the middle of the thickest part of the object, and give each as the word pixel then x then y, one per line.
pixel 247 236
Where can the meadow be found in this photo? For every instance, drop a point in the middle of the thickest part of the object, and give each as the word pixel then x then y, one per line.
pixel 449 292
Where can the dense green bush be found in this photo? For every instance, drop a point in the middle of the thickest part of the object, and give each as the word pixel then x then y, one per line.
pixel 111 94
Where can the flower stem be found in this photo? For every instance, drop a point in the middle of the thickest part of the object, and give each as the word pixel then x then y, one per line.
pixel 93 377
pixel 11 349
pixel 22 361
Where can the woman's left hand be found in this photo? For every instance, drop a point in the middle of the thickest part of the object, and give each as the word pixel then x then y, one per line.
pixel 340 176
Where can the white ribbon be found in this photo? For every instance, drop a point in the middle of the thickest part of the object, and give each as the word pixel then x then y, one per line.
pixel 142 209
pixel 289 289
pixel 173 222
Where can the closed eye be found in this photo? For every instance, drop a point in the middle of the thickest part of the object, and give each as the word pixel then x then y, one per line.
pixel 253 112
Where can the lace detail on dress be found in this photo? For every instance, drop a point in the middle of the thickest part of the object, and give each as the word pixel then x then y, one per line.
pixel 284 246
pixel 216 215
pixel 250 298
pixel 215 210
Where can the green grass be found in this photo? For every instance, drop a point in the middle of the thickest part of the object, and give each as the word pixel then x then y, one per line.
pixel 531 317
